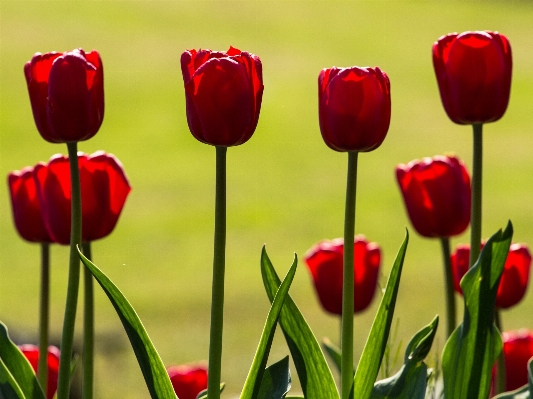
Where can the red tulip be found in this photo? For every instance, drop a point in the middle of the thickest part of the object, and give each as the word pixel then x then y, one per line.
pixel 66 94
pixel 188 381
pixel 325 262
pixel 104 189
pixel 223 92
pixel 515 277
pixel 32 354
pixel 437 195
pixel 518 350
pixel 354 108
pixel 474 75
pixel 26 209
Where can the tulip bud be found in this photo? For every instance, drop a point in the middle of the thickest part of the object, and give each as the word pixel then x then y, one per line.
pixel 325 262
pixel 188 381
pixel 354 108
pixel 517 350
pixel 474 75
pixel 437 195
pixel 32 354
pixel 104 189
pixel 223 93
pixel 515 276
pixel 25 204
pixel 66 94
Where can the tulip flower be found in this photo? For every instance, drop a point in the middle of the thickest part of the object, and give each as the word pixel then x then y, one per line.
pixel 66 94
pixel 436 193
pixel 104 189
pixel 474 75
pixel 188 381
pixel 325 262
pixel 354 108
pixel 223 93
pixel 514 280
pixel 32 354
pixel 517 351
pixel 25 204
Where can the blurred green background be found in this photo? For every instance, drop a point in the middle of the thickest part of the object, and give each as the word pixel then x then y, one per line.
pixel 285 186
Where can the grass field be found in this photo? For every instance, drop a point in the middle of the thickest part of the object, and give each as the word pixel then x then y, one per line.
pixel 285 186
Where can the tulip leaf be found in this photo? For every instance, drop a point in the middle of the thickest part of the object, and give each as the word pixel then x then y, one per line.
pixel 368 367
pixel 475 344
pixel 17 378
pixel 333 351
pixel 411 381
pixel 9 389
pixel 203 394
pixel 154 372
pixel 315 376
pixel 253 384
pixel 276 381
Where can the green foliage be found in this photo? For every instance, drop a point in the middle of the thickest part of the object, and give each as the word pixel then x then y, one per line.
pixel 315 377
pixel 410 381
pixel 333 351
pixel 17 378
pixel 471 350
pixel 276 383
pixel 153 369
pixel 368 367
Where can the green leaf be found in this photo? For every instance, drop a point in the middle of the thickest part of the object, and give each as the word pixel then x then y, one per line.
pixel 203 394
pixel 411 381
pixel 315 377
pixel 368 367
pixel 276 380
pixel 16 376
pixel 154 372
pixel 255 375
pixel 9 389
pixel 475 344
pixel 333 351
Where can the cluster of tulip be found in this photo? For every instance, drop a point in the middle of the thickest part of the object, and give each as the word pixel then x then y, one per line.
pixel 223 92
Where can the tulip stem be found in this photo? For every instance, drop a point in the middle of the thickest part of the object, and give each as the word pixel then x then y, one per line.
pixel 448 279
pixel 44 306
pixel 348 279
pixel 477 173
pixel 217 293
pixel 88 327
pixel 501 375
pixel 67 339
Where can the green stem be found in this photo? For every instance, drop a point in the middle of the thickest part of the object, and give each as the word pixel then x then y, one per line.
pixel 477 173
pixel 448 286
pixel 67 339
pixel 88 328
pixel 501 375
pixel 217 296
pixel 348 279
pixel 44 306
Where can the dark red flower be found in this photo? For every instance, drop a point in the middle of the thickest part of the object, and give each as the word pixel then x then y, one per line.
pixel 223 93
pixel 188 381
pixel 66 94
pixel 474 75
pixel 325 261
pixel 104 189
pixel 32 354
pixel 354 108
pixel 437 195
pixel 515 277
pixel 518 350
pixel 26 209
